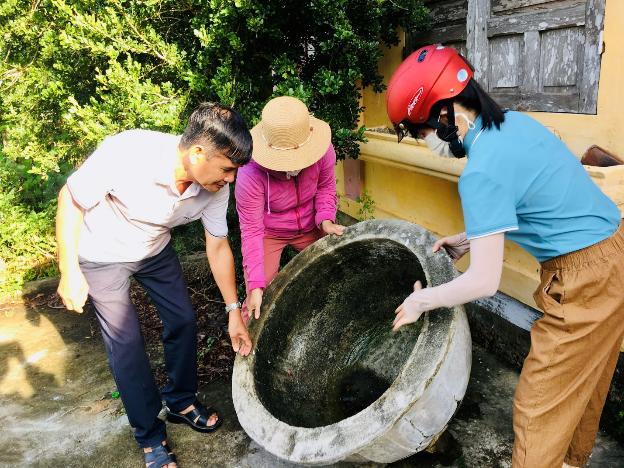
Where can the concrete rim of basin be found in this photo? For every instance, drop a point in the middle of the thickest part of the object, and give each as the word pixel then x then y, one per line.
pixel 354 438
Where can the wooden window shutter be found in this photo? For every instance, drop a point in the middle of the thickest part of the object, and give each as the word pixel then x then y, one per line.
pixel 531 55
pixel 447 26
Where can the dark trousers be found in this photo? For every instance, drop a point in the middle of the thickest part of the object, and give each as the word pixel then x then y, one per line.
pixel 109 290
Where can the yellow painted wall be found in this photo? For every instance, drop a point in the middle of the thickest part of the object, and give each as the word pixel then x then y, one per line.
pixel 406 181
pixel 577 130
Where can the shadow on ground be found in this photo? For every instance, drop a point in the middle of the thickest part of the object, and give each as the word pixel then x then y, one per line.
pixel 56 407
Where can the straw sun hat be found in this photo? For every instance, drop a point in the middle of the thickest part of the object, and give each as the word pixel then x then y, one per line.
pixel 288 138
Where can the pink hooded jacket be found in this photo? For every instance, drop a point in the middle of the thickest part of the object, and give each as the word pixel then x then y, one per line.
pixel 268 203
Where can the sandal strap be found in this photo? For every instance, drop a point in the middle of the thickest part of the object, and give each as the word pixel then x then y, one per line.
pixel 197 417
pixel 206 412
pixel 160 456
pixel 169 451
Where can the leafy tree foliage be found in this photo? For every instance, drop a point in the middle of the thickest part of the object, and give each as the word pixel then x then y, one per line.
pixel 74 71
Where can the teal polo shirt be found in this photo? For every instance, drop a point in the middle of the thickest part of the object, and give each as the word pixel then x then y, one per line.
pixel 522 180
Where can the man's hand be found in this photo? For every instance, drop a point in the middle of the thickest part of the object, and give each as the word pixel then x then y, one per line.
pixel 73 290
pixel 456 246
pixel 254 301
pixel 413 306
pixel 73 287
pixel 329 227
pixel 239 336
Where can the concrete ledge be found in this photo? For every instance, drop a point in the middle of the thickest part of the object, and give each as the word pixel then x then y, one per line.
pixel 502 324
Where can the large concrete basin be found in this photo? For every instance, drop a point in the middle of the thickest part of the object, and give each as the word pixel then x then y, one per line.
pixel 328 380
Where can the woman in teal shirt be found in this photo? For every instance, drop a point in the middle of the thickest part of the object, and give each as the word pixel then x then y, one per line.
pixel 523 183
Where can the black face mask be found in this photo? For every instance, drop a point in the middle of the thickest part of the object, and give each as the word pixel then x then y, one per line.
pixel 448 132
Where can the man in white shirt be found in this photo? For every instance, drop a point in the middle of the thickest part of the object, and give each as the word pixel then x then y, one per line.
pixel 114 219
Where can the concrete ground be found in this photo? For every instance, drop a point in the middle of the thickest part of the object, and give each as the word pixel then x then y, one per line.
pixel 56 407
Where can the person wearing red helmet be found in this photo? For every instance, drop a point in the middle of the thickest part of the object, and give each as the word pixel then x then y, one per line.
pixel 522 183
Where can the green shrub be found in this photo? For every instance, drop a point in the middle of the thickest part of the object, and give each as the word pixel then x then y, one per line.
pixel 26 241
pixel 74 71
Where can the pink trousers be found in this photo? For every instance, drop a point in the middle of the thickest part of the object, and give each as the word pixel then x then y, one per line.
pixel 273 248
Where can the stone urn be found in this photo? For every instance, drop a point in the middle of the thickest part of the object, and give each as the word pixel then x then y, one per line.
pixel 328 380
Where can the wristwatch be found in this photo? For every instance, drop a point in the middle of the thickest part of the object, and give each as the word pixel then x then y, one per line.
pixel 233 306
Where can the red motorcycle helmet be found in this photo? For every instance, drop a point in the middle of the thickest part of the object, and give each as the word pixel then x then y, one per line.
pixel 432 74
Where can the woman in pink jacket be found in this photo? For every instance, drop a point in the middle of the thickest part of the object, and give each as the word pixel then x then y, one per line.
pixel 286 195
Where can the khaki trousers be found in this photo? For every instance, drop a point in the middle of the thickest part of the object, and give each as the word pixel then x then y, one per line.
pixel 574 349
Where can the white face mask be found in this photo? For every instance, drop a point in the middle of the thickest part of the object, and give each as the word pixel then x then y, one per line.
pixel 438 146
pixel 290 174
pixel 470 123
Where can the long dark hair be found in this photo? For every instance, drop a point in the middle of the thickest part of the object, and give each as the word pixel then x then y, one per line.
pixel 473 97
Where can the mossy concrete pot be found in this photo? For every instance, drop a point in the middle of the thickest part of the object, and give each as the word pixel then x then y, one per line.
pixel 328 380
